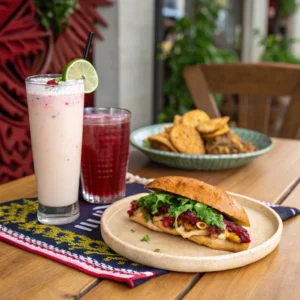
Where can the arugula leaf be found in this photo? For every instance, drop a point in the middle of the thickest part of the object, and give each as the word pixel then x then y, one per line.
pixel 176 211
pixel 177 205
pixel 183 200
pixel 209 215
pixel 153 201
pixel 157 250
pixel 145 238
pixel 147 200
pixel 147 217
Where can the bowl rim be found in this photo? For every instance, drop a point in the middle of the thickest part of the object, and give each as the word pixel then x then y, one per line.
pixel 259 152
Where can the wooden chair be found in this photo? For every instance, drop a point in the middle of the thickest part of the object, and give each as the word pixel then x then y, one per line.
pixel 254 83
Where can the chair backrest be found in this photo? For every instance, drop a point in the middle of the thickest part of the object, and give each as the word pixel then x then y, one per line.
pixel 254 83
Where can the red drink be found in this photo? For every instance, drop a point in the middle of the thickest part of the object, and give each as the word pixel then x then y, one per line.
pixel 105 148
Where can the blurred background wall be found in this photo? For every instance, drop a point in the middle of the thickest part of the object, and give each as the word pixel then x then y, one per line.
pixel 125 60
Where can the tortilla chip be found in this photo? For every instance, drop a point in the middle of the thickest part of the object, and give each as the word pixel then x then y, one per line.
pixel 186 139
pixel 177 120
pixel 194 117
pixel 161 142
pixel 212 125
pixel 221 131
pixel 168 129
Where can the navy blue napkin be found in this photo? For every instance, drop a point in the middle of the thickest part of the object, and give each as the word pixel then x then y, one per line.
pixel 285 212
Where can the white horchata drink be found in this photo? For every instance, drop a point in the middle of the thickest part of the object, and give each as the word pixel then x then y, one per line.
pixel 56 120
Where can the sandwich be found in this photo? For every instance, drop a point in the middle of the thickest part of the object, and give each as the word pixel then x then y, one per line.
pixel 194 210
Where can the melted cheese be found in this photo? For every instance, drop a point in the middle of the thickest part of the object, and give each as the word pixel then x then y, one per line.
pixel 152 226
pixel 187 234
pixel 223 236
pixel 231 236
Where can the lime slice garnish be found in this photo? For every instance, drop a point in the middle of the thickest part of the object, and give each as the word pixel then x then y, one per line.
pixel 80 68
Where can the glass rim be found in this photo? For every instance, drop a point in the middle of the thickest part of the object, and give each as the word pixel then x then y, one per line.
pixel 66 83
pixel 97 110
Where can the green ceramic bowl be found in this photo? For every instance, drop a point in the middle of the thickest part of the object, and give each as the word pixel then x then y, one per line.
pixel 205 161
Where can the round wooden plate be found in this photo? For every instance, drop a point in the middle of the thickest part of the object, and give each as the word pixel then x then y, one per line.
pixel 178 254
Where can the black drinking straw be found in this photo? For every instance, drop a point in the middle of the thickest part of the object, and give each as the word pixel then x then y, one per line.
pixel 85 56
pixel 88 45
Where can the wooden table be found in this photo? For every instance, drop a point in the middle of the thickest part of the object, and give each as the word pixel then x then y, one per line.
pixel 273 177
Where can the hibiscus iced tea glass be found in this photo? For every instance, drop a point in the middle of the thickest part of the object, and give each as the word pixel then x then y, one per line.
pixel 56 119
pixel 105 149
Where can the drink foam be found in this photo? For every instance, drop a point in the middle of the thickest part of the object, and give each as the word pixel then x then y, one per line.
pixel 38 85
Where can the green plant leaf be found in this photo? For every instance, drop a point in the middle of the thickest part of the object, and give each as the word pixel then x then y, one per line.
pixel 278 49
pixel 193 44
pixel 55 14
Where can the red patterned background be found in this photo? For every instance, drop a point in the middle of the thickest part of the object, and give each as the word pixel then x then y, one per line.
pixel 27 48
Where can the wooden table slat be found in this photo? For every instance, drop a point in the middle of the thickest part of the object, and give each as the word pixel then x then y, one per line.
pixel 267 178
pixel 25 274
pixel 167 286
pixel 21 188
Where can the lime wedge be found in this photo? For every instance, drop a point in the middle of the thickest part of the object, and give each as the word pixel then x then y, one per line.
pixel 80 68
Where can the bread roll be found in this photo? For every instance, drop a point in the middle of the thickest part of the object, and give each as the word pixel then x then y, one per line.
pixel 202 192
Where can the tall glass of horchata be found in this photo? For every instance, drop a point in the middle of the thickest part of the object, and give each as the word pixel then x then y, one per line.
pixel 56 122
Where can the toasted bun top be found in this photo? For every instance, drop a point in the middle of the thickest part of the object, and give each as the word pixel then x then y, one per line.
pixel 202 192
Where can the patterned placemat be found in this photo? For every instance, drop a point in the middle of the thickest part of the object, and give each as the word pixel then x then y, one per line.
pixel 80 244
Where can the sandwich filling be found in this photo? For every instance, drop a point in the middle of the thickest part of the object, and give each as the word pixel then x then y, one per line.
pixel 187 217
